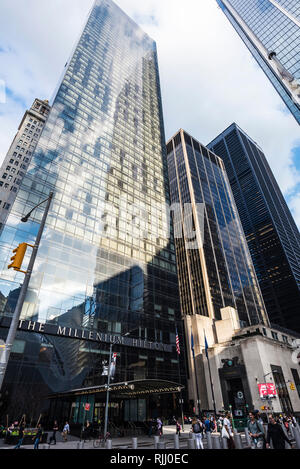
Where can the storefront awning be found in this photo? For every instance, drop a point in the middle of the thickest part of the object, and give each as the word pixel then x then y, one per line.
pixel 126 389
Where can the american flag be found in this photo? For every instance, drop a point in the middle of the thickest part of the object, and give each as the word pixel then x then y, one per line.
pixel 177 343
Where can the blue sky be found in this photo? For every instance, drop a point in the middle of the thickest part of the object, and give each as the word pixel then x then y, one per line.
pixel 208 77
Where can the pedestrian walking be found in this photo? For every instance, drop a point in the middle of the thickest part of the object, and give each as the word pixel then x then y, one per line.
pixel 256 432
pixel 152 427
pixel 220 423
pixel 38 437
pixel 21 436
pixel 207 425
pixel 227 431
pixel 178 428
pixel 276 434
pixel 159 426
pixel 66 431
pixel 198 428
pixel 53 436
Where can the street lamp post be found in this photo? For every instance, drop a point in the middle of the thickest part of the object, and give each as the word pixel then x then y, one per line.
pixel 268 399
pixel 181 402
pixel 15 319
pixel 108 383
pixel 107 391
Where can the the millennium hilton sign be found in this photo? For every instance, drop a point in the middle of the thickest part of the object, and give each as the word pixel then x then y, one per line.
pixel 84 334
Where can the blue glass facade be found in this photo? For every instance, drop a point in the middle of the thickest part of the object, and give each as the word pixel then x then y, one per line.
pixel 102 153
pixel 272 235
pixel 277 30
pixel 221 273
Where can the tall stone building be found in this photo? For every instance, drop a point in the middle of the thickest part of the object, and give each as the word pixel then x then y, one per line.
pixel 17 160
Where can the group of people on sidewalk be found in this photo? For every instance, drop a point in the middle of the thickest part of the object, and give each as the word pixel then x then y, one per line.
pixel 155 427
pixel 275 436
pixel 38 433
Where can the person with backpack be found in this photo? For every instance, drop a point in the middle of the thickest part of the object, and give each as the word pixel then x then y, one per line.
pixel 256 432
pixel 197 428
pixel 212 424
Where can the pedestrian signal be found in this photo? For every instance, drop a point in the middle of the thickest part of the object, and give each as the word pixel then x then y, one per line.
pixel 18 257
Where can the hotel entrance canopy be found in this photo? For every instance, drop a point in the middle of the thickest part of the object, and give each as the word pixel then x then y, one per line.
pixel 125 390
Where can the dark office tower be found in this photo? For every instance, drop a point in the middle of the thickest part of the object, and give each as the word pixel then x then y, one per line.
pixel 219 292
pixel 271 31
pixel 272 235
pixel 217 272
pixel 106 265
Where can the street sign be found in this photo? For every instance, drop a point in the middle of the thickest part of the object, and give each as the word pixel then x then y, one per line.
pixel 267 390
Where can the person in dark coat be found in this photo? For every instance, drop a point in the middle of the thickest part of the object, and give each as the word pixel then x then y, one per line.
pixel 276 434
pixel 54 430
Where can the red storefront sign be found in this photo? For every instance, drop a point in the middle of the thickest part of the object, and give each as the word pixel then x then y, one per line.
pixel 267 389
pixel 87 407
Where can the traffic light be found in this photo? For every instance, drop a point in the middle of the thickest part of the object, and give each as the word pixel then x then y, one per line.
pixel 292 387
pixel 17 259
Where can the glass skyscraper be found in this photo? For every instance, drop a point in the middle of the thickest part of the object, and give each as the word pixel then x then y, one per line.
pixel 106 264
pixel 272 235
pixel 271 31
pixel 217 273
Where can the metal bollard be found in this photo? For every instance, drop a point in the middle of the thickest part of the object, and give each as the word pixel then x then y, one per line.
pixel 248 439
pixel 176 441
pixel 161 445
pixel 238 441
pixel 108 444
pixel 216 444
pixel 156 441
pixel 191 443
pixel 134 443
pixel 209 442
pixel 225 443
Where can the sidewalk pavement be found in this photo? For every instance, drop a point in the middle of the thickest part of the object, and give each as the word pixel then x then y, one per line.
pixel 144 441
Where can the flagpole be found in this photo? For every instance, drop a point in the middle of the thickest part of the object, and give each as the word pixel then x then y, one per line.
pixel 178 353
pixel 197 389
pixel 209 371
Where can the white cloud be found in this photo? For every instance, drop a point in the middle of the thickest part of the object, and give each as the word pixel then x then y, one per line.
pixel 208 77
